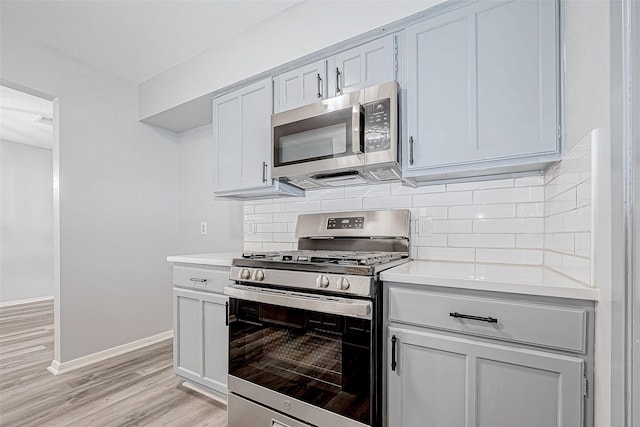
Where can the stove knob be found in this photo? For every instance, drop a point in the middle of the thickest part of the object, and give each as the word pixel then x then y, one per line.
pixel 322 281
pixel 258 275
pixel 244 274
pixel 343 284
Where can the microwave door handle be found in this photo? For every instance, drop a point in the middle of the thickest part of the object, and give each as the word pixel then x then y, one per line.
pixel 357 142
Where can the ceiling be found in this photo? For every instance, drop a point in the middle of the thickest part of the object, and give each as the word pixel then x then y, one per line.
pixel 135 39
pixel 17 113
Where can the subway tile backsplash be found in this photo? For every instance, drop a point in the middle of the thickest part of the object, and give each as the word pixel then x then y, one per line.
pixel 533 220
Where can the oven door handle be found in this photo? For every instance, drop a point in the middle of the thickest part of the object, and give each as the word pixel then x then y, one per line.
pixel 360 309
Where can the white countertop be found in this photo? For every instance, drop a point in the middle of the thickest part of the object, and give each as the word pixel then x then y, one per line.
pixel 222 259
pixel 518 279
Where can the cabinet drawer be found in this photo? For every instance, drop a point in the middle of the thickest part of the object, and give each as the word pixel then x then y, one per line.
pixel 526 322
pixel 203 279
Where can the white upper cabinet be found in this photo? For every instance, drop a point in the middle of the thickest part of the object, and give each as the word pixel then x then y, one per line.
pixel 365 65
pixel 482 90
pixel 241 131
pixel 301 86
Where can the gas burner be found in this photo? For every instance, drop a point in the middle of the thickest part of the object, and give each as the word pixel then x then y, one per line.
pixel 326 257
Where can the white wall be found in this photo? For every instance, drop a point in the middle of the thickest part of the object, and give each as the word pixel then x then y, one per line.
pixel 301 30
pixel 196 157
pixel 118 197
pixel 26 222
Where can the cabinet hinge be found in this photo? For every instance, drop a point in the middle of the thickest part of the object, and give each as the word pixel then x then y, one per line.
pixel 584 386
pixel 395 57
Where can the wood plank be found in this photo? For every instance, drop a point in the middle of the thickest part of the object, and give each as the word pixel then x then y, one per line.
pixel 138 388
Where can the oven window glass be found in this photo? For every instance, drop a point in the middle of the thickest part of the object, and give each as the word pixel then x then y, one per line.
pixel 321 359
pixel 320 137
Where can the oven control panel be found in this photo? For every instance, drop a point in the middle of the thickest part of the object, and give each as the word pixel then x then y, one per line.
pixel 350 222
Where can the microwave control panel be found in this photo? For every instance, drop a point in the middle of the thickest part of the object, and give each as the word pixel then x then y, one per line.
pixel 376 125
pixel 345 223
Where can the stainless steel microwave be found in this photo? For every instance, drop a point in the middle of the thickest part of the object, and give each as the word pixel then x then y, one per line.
pixel 346 140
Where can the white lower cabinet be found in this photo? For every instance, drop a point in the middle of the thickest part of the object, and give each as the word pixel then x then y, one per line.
pixel 200 338
pixel 451 375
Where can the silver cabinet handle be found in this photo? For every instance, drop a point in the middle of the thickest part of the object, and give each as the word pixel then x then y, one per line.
pixel 264 171
pixel 319 86
pixel 410 150
pixel 197 279
pixel 338 90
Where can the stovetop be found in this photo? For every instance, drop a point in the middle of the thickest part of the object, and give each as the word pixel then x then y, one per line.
pixel 326 257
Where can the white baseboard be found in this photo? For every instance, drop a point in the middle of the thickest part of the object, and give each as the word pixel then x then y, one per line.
pixel 25 301
pixel 58 368
pixel 209 394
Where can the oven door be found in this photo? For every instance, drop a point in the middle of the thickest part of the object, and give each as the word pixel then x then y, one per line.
pixel 318 351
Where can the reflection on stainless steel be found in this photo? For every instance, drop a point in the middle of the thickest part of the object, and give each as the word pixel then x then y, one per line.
pixel 343 306
pixel 369 117
pixel 305 326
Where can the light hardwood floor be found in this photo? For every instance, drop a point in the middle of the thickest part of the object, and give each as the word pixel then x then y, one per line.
pixel 135 389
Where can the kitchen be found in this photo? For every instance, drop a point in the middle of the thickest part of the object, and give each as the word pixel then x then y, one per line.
pixel 124 186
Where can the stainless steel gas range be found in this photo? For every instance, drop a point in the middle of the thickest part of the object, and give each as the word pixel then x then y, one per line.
pixel 305 326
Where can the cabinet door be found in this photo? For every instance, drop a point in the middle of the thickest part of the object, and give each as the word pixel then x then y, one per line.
pixel 215 342
pixel 482 85
pixel 242 134
pixel 200 338
pixel 363 66
pixel 454 382
pixel 301 86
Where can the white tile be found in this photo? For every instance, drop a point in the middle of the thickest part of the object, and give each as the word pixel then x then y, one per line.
pixel 389 202
pixel 562 242
pixel 367 191
pixel 509 195
pixel 435 240
pixel 483 211
pixel 509 225
pixel 530 241
pixel 252 246
pixel 442 199
pixel 341 204
pixel 285 217
pixel 578 220
pixel 437 212
pixel 452 226
pixel 278 246
pixel 259 218
pixel 247 209
pixel 530 210
pixel 311 206
pixel 529 181
pixel 583 244
pixel 553 260
pixel 291 227
pixel 562 202
pixel 447 254
pixel 261 201
pixel 479 185
pixel 577 267
pixel 328 193
pixel 482 240
pixel 258 237
pixel 510 256
pixel 554 224
pixel 397 189
pixel 273 207
pixel 584 194
pixel 284 237
pixel 273 227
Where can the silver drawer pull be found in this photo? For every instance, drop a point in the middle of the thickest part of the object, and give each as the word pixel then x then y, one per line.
pixel 197 279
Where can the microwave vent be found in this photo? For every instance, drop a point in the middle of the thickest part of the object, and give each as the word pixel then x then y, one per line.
pixel 384 174
pixel 305 184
